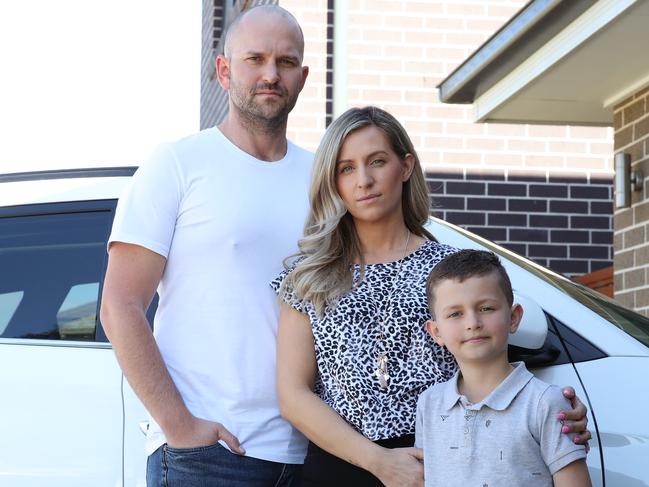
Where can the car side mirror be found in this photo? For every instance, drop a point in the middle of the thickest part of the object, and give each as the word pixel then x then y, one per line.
pixel 533 329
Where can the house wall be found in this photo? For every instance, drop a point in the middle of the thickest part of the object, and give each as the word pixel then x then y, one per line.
pixel 631 275
pixel 544 191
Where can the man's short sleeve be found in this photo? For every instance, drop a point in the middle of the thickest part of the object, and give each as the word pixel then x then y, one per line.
pixel 557 448
pixel 147 210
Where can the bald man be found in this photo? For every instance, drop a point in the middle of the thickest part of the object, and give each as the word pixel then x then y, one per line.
pixel 207 221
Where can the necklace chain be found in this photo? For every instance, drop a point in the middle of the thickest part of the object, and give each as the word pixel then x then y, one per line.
pixel 380 354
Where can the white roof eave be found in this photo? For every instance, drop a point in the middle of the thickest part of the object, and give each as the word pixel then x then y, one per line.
pixel 487 107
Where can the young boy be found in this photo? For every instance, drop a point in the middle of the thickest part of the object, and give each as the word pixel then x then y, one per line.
pixel 494 423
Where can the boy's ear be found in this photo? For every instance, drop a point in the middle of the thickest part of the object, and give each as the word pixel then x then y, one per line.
pixel 433 331
pixel 516 317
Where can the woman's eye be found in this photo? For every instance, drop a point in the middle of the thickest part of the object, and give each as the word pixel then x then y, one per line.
pixel 345 169
pixel 455 314
pixel 378 162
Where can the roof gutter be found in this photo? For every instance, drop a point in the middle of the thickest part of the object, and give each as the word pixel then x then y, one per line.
pixel 535 24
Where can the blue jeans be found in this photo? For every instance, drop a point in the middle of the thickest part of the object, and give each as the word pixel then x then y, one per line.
pixel 216 466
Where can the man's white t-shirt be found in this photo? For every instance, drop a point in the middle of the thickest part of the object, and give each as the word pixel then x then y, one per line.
pixel 224 221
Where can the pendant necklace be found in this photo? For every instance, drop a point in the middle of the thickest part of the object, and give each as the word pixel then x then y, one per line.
pixel 381 356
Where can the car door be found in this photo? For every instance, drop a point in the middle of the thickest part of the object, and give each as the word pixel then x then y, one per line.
pixel 61 414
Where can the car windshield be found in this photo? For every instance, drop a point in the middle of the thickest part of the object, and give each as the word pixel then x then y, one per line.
pixel 628 321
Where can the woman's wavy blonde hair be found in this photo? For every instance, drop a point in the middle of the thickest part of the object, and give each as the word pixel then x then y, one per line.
pixel 330 244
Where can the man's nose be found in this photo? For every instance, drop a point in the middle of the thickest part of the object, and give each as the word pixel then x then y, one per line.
pixel 271 73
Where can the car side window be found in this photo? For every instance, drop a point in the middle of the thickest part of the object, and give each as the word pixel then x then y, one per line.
pixel 8 305
pixel 51 270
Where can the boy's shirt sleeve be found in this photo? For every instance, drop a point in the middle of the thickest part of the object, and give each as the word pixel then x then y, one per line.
pixel 557 449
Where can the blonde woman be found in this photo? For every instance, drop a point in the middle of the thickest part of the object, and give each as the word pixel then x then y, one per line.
pixel 353 354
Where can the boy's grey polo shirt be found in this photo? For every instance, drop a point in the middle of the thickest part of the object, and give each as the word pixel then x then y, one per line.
pixel 512 437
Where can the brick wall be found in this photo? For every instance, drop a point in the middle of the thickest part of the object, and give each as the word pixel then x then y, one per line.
pixel 555 205
pixel 631 278
pixel 555 181
pixel 560 221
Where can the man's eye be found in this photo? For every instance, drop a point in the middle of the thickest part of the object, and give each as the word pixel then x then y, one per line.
pixel 288 62
pixel 455 314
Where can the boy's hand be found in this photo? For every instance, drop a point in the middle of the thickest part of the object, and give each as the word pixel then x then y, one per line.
pixel 575 420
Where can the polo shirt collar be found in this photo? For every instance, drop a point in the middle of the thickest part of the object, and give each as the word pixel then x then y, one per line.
pixel 499 399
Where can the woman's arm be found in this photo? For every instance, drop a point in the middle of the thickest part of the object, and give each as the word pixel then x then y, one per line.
pixel 574 474
pixel 296 372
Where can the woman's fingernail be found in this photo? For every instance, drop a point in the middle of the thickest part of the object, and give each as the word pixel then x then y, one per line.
pixel 565 429
pixel 576 439
pixel 562 416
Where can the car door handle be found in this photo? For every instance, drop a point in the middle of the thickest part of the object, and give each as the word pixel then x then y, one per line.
pixel 144 427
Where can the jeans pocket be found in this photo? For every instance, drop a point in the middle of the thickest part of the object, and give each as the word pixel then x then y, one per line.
pixel 203 466
pixel 196 449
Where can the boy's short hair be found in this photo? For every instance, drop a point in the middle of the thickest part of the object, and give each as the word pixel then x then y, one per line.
pixel 464 264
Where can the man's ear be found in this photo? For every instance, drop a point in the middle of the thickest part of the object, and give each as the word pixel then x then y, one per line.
pixel 516 317
pixel 223 71
pixel 305 73
pixel 433 331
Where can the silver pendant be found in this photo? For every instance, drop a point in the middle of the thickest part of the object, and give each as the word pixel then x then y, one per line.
pixel 381 371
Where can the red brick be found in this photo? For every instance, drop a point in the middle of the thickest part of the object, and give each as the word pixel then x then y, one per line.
pixel 465 10
pixel 547 131
pixel 444 142
pixel 624 102
pixel 506 129
pixel 565 146
pixel 603 148
pixel 543 161
pixel 642 92
pixel 527 145
pixel 508 160
pixel 587 132
pixel 617 120
pixel 641 128
pixel 634 111
pixel 461 158
pixel 623 138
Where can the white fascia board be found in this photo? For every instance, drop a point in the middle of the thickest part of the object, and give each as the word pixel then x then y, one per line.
pixel 627 92
pixel 582 28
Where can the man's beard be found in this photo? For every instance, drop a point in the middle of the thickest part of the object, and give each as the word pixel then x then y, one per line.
pixel 267 117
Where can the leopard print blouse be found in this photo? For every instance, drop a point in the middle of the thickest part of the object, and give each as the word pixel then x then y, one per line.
pixel 347 339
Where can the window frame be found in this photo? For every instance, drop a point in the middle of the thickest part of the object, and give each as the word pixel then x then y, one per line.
pixel 61 208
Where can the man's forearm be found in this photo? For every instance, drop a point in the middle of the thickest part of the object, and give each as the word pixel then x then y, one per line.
pixel 143 366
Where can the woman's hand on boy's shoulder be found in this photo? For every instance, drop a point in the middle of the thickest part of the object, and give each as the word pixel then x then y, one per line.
pixel 575 419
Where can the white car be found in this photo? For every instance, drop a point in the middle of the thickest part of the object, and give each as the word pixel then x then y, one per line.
pixel 68 418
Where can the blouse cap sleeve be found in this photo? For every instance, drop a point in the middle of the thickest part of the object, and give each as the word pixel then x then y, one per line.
pixel 287 294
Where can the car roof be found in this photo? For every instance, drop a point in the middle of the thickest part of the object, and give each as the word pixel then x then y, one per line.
pixel 91 172
pixel 63 185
